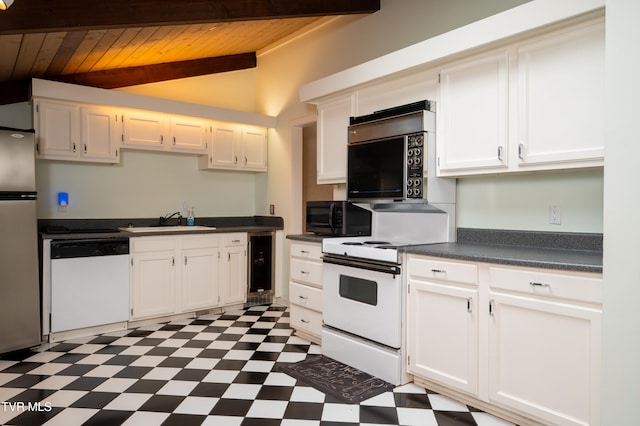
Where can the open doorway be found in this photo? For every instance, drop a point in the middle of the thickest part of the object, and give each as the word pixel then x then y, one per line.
pixel 311 191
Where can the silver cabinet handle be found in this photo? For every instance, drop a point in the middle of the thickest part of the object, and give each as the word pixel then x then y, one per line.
pixel 304 251
pixel 469 302
pixel 521 151
pixel 304 272
pixel 439 271
pixel 303 297
pixel 535 284
pixel 500 149
pixel 304 321
pixel 491 307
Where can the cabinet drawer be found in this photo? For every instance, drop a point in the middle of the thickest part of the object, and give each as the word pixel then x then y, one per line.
pixel 235 239
pixel 306 319
pixel 434 269
pixel 306 251
pixel 150 244
pixel 580 287
pixel 200 241
pixel 303 295
pixel 306 271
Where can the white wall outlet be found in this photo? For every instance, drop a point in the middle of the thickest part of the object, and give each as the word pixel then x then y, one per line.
pixel 555 215
pixel 186 206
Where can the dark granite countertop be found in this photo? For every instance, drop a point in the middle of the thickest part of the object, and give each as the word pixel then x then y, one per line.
pixel 563 251
pixel 54 229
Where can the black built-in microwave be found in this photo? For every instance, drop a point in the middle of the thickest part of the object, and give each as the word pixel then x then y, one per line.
pixel 337 218
pixel 387 152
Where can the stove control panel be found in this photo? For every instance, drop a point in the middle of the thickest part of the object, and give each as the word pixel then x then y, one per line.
pixel 415 165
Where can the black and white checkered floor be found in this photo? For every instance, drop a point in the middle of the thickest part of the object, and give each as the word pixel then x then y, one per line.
pixel 215 370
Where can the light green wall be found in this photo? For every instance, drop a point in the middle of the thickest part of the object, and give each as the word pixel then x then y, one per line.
pixel 144 184
pixel 522 201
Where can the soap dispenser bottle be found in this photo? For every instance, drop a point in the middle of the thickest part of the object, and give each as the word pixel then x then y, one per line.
pixel 190 220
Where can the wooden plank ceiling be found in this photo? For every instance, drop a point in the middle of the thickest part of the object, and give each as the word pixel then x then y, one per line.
pixel 119 43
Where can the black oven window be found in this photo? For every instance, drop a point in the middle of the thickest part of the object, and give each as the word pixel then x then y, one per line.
pixel 364 291
pixel 376 169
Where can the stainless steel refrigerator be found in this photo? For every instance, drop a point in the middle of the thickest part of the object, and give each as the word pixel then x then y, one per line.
pixel 19 277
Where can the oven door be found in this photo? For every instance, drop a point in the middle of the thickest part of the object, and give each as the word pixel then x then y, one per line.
pixel 363 300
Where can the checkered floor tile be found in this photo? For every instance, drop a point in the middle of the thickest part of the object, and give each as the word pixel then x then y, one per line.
pixel 214 370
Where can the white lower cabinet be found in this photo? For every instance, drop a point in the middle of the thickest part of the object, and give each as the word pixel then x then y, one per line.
pixel 442 323
pixel 177 274
pixel 234 269
pixel 305 289
pixel 530 348
pixel 153 277
pixel 200 271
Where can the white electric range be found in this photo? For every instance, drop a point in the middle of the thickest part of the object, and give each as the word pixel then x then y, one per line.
pixel 364 296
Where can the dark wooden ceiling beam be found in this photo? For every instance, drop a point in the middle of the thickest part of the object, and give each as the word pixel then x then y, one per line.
pixel 18 91
pixel 122 77
pixel 31 16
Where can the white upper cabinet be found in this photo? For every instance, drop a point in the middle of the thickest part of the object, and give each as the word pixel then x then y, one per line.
pixel 396 92
pixel 536 104
pixel 254 149
pixel 472 115
pixel 160 132
pixel 68 132
pixel 56 130
pixel 143 130
pixel 99 134
pixel 333 123
pixel 561 97
pixel 236 147
pixel 188 135
pixel 224 147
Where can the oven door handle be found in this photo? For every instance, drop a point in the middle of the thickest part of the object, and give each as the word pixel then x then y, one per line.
pixel 387 268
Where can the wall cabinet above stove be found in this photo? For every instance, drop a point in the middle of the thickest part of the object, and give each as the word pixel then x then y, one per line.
pixel 518 103
pixel 533 105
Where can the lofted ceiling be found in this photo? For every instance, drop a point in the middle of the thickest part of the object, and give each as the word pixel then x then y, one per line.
pixel 120 43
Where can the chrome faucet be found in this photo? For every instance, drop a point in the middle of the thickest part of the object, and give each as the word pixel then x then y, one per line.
pixel 166 218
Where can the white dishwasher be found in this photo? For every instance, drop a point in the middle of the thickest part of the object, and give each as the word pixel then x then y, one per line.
pixel 89 283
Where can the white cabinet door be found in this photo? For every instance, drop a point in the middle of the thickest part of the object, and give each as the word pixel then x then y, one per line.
pixel 188 135
pixel 224 147
pixel 143 130
pixel 254 149
pixel 472 128
pixel 234 269
pixel 333 123
pixel 544 358
pixel 153 285
pixel 561 97
pixel 100 134
pixel 200 278
pixel 442 334
pixel 57 131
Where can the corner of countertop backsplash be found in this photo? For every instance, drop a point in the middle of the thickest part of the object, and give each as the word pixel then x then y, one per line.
pixel 538 239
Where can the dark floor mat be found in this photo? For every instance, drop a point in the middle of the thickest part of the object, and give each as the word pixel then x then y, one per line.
pixel 337 379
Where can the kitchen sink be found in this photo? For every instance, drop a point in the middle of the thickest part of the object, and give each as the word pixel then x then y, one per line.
pixel 176 228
